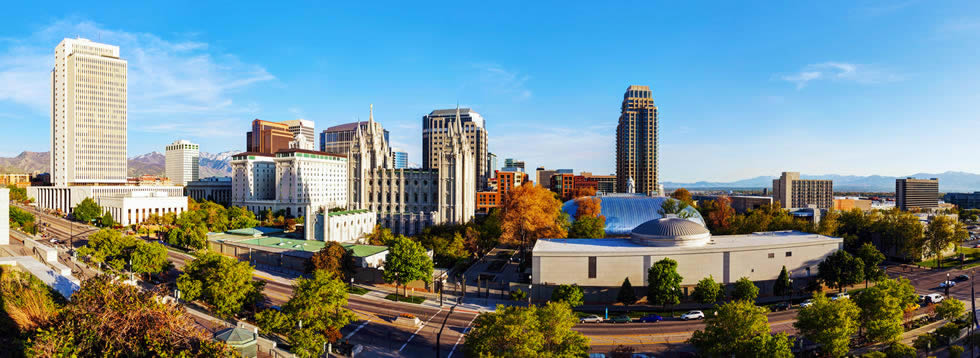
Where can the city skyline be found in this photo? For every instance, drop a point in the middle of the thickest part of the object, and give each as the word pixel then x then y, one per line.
pixel 824 93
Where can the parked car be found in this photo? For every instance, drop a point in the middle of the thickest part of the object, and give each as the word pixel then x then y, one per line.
pixel 840 296
pixel 782 306
pixel 692 315
pixel 963 277
pixel 650 318
pixel 591 319
pixel 621 319
pixel 933 298
pixel 947 283
pixel 806 303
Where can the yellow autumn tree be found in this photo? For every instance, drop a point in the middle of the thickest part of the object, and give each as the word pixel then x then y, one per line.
pixel 531 212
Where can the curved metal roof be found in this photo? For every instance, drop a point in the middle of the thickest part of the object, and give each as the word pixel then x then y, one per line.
pixel 670 227
pixel 624 212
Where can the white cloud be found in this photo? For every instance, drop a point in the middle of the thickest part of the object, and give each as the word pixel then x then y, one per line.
pixel 840 71
pixel 182 82
pixel 497 80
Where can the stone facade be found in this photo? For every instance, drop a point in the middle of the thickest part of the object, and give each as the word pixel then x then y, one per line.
pixel 344 226
pixel 292 180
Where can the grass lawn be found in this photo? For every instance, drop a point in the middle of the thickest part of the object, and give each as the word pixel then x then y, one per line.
pixel 409 299
pixel 357 290
pixel 971 259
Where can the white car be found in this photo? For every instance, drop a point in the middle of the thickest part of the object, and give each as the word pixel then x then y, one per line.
pixel 806 303
pixel 692 315
pixel 591 319
pixel 933 298
pixel 840 296
pixel 947 284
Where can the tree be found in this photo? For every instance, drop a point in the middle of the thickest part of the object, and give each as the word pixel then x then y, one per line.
pixel 318 303
pixel 222 282
pixel 783 285
pixel 87 211
pixel 740 329
pixel 588 228
pixel 871 258
pixel 527 332
pixel 109 247
pixel 942 232
pixel 882 308
pixel 106 220
pixel 707 290
pixel 570 294
pixel 829 323
pixel 720 215
pixel 676 207
pixel 841 269
pixel 588 207
pixel 950 308
pixel 745 290
pixel 627 295
pixel 407 261
pixel 829 223
pixel 683 195
pixel 579 192
pixel 948 332
pixel 528 213
pixel 333 258
pixel 149 258
pixel 955 351
pixel 664 283
pixel 380 236
pixel 898 350
pixel 110 319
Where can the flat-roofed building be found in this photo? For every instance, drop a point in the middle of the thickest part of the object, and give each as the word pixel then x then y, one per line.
pixel 19 180
pixel 916 194
pixel 268 137
pixel 292 180
pixel 215 189
pixel 436 140
pixel 183 162
pixel 65 198
pixel 338 139
pixel 741 203
pixel 964 200
pixel 504 182
pixel 848 204
pixel 302 128
pixel 605 184
pixel 134 207
pixel 637 142
pixel 792 192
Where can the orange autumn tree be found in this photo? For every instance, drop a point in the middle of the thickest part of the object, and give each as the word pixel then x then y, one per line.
pixel 576 193
pixel 588 207
pixel 531 212
pixel 720 214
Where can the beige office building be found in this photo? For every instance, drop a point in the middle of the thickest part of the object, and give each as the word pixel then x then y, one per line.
pixel 183 162
pixel 88 114
pixel 916 194
pixel 792 192
pixel 437 140
pixel 637 142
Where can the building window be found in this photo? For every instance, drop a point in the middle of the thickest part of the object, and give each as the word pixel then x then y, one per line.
pixel 789 253
pixel 592 264
pixel 772 255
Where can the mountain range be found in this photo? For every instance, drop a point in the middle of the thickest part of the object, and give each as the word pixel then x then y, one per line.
pixel 153 163
pixel 948 182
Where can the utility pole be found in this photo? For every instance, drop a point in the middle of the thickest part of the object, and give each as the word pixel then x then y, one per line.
pixel 439 334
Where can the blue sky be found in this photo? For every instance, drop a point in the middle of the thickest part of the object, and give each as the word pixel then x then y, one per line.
pixel 743 88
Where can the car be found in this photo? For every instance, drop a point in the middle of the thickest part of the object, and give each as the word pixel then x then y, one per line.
pixel 621 319
pixel 933 298
pixel 840 296
pixel 807 303
pixel 650 318
pixel 692 315
pixel 963 277
pixel 782 306
pixel 947 283
pixel 591 319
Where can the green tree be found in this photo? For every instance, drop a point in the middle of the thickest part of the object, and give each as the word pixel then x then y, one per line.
pixel 664 283
pixel 745 290
pixel 240 218
pixel 588 227
pixel 871 258
pixel 627 295
pixel 948 332
pixel 149 258
pixel 107 221
pixel 87 211
pixel 882 308
pixel 950 308
pixel 527 332
pixel 570 294
pixel 333 258
pixel 829 323
pixel 109 247
pixel 942 232
pixel 829 223
pixel 841 269
pixel 707 291
pixel 955 351
pixel 740 329
pixel 782 286
pixel 676 207
pixel 318 303
pixel 407 261
pixel 381 236
pixel 898 350
pixel 222 282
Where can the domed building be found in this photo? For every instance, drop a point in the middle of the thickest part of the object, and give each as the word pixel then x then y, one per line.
pixel 624 212
pixel 600 265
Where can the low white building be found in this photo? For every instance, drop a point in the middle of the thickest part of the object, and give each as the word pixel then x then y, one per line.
pixel 291 180
pixel 133 208
pixel 606 263
pixel 342 226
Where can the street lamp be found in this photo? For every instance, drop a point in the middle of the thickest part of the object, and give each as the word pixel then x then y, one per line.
pixel 530 288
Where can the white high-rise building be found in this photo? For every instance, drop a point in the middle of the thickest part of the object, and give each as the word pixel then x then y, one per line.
pixel 183 162
pixel 88 114
pixel 303 128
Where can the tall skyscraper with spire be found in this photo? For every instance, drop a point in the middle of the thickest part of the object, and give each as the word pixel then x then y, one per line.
pixel 637 142
pixel 88 114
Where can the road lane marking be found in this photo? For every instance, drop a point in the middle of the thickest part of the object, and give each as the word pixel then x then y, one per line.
pixel 356 329
pixel 419 329
pixel 467 329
